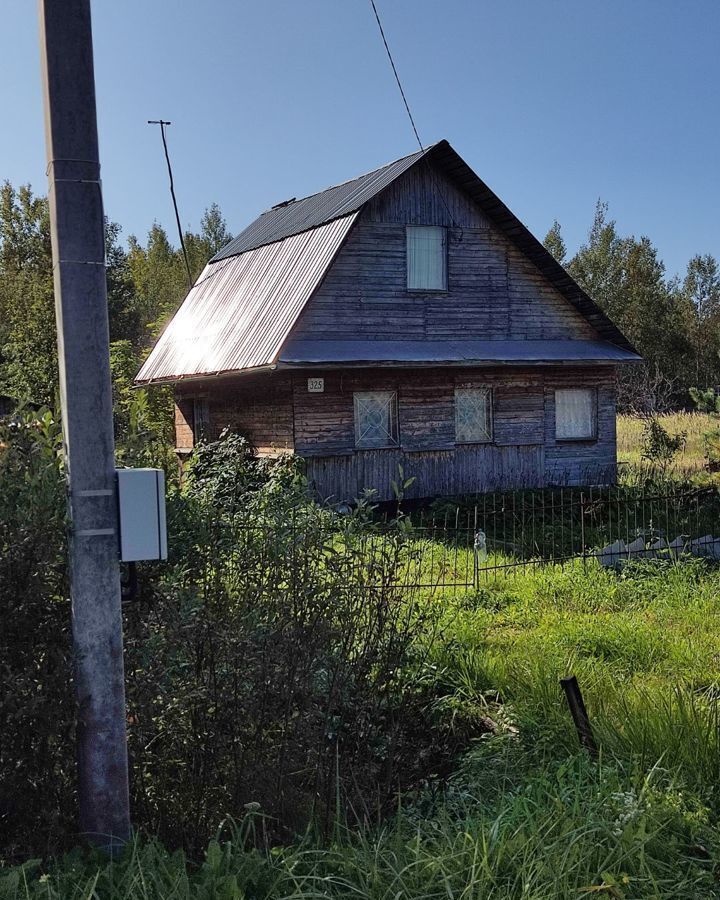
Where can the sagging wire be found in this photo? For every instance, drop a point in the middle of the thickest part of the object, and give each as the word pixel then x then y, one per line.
pixel 412 120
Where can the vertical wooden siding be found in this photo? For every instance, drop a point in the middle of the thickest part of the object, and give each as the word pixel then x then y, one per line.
pixel 467 470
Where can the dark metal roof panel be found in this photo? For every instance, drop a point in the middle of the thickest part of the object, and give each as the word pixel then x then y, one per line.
pixel 300 215
pixel 241 310
pixel 369 352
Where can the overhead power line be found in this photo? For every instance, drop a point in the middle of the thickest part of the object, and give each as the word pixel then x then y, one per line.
pixel 412 120
pixel 395 72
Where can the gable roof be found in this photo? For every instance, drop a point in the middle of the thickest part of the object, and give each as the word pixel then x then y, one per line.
pixel 243 307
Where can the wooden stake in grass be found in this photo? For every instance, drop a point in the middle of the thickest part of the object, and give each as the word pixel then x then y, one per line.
pixel 579 713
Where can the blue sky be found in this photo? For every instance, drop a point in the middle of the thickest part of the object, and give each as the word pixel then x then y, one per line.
pixel 554 103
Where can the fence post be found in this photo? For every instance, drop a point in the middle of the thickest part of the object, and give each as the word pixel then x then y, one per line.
pixel 582 528
pixel 579 714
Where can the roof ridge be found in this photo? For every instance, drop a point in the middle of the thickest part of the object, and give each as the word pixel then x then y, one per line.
pixel 333 202
pixel 332 187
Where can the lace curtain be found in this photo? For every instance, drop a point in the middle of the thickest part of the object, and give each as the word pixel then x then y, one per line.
pixel 574 414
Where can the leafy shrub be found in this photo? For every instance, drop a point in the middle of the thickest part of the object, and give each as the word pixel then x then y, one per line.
pixel 708 401
pixel 659 447
pixel 36 705
pixel 144 426
pixel 277 659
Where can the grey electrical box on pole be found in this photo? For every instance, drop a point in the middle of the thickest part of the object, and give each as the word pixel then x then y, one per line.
pixel 143 528
pixel 78 247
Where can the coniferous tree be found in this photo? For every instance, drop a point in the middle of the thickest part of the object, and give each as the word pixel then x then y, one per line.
pixel 555 244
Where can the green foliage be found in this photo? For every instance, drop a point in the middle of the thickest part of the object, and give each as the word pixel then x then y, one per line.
pixel 275 659
pixel 627 279
pixel 701 294
pixel 28 354
pixel 144 426
pixel 659 447
pixel 674 324
pixel 708 401
pixel 512 823
pixel 145 285
pixel 36 705
pixel 555 244
pixel 266 680
pixel 226 473
pixel 263 664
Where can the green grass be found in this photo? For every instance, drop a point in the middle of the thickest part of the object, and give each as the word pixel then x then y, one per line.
pixel 690 461
pixel 526 814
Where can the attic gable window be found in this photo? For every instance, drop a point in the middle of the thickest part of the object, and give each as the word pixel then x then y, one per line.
pixel 575 414
pixel 426 258
pixel 375 419
pixel 473 415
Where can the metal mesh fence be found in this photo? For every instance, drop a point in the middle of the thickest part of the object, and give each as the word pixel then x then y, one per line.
pixel 463 547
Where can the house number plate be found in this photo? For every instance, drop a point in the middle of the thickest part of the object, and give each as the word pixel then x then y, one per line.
pixel 316 385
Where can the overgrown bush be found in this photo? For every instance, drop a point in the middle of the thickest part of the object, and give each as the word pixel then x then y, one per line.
pixel 709 402
pixel 276 661
pixel 659 446
pixel 143 420
pixel 37 768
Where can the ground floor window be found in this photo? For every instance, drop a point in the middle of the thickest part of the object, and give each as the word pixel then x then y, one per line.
pixel 376 419
pixel 473 415
pixel 575 414
pixel 201 419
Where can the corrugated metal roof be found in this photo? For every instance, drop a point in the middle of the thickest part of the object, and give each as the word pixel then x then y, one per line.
pixel 300 215
pixel 363 352
pixel 241 309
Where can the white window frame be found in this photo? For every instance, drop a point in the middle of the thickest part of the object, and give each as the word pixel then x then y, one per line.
pixel 563 433
pixel 360 399
pixel 410 232
pixel 465 390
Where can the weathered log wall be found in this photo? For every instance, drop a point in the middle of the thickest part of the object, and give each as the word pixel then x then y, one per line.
pixel 278 414
pixel 494 292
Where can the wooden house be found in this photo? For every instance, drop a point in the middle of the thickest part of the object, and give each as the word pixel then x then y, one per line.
pixel 404 318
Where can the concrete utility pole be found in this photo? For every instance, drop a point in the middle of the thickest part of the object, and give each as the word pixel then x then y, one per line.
pixel 78 248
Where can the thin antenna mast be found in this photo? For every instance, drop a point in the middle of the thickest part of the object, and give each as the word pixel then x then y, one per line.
pixel 162 123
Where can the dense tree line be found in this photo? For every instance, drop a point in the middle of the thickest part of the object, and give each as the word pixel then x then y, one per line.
pixel 146 283
pixel 673 322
